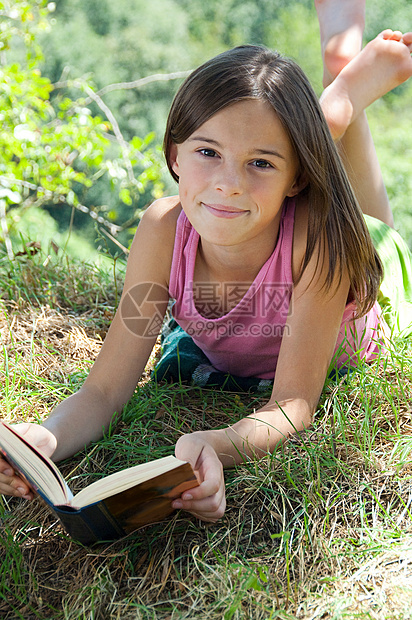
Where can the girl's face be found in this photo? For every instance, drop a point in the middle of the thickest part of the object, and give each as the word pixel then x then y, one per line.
pixel 234 173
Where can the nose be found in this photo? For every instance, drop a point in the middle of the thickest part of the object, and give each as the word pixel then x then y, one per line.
pixel 229 179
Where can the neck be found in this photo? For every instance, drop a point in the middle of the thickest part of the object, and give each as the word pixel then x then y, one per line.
pixel 239 263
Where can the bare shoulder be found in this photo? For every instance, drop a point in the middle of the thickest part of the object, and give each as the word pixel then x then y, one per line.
pixel 163 211
pixel 152 247
pixel 159 219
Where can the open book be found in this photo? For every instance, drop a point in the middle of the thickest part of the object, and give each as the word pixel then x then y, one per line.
pixel 109 508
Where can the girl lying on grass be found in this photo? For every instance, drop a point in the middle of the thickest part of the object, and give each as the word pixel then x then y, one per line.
pixel 265 252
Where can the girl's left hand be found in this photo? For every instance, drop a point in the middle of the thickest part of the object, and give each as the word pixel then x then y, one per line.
pixel 207 501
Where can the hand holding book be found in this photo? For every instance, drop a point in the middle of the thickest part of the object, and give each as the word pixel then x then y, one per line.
pixel 208 500
pixel 106 509
pixel 11 483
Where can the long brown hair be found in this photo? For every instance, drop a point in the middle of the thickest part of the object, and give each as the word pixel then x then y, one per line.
pixel 254 72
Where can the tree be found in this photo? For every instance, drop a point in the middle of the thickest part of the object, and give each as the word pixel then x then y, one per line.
pixel 53 147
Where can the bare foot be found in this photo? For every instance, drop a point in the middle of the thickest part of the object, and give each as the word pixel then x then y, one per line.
pixel 341 24
pixel 382 65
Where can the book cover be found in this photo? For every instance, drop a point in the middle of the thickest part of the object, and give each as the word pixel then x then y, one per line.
pixel 109 508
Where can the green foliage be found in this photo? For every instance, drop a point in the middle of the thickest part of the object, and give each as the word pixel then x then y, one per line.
pixel 395 14
pixel 54 148
pixel 26 225
pixel 391 124
pixel 42 144
pixel 67 142
pixel 23 19
pixel 41 277
pixel 304 45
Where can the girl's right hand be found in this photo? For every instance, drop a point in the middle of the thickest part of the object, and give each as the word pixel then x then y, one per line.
pixel 10 482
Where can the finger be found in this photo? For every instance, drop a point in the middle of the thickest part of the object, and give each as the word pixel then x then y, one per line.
pixel 211 504
pixel 18 491
pixel 206 489
pixel 209 509
pixel 22 427
pixel 5 468
pixel 208 504
pixel 211 474
pixel 13 485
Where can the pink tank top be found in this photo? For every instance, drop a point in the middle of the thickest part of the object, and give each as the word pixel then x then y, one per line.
pixel 246 340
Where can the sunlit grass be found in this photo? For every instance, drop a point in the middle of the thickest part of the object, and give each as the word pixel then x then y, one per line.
pixel 321 528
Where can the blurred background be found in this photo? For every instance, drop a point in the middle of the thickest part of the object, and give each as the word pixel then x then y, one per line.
pixel 83 107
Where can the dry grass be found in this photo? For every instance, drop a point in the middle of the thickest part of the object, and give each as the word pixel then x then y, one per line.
pixel 321 529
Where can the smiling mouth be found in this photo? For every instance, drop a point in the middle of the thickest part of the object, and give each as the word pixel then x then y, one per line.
pixel 223 210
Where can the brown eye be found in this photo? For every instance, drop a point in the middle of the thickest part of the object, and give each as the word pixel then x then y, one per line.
pixel 262 163
pixel 207 152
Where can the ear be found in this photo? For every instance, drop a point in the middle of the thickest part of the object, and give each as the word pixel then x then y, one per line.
pixel 173 159
pixel 298 185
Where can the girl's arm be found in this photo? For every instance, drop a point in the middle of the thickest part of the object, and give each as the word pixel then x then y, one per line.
pixel 82 417
pixel 111 382
pixel 306 351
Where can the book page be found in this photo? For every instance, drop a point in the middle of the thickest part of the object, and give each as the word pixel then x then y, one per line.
pixel 39 471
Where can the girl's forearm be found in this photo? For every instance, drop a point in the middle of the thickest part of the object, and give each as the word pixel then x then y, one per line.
pixel 78 420
pixel 259 433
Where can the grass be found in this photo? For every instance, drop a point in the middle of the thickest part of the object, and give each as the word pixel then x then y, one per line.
pixel 322 528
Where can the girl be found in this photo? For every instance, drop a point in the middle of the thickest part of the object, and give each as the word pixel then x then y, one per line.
pixel 265 252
